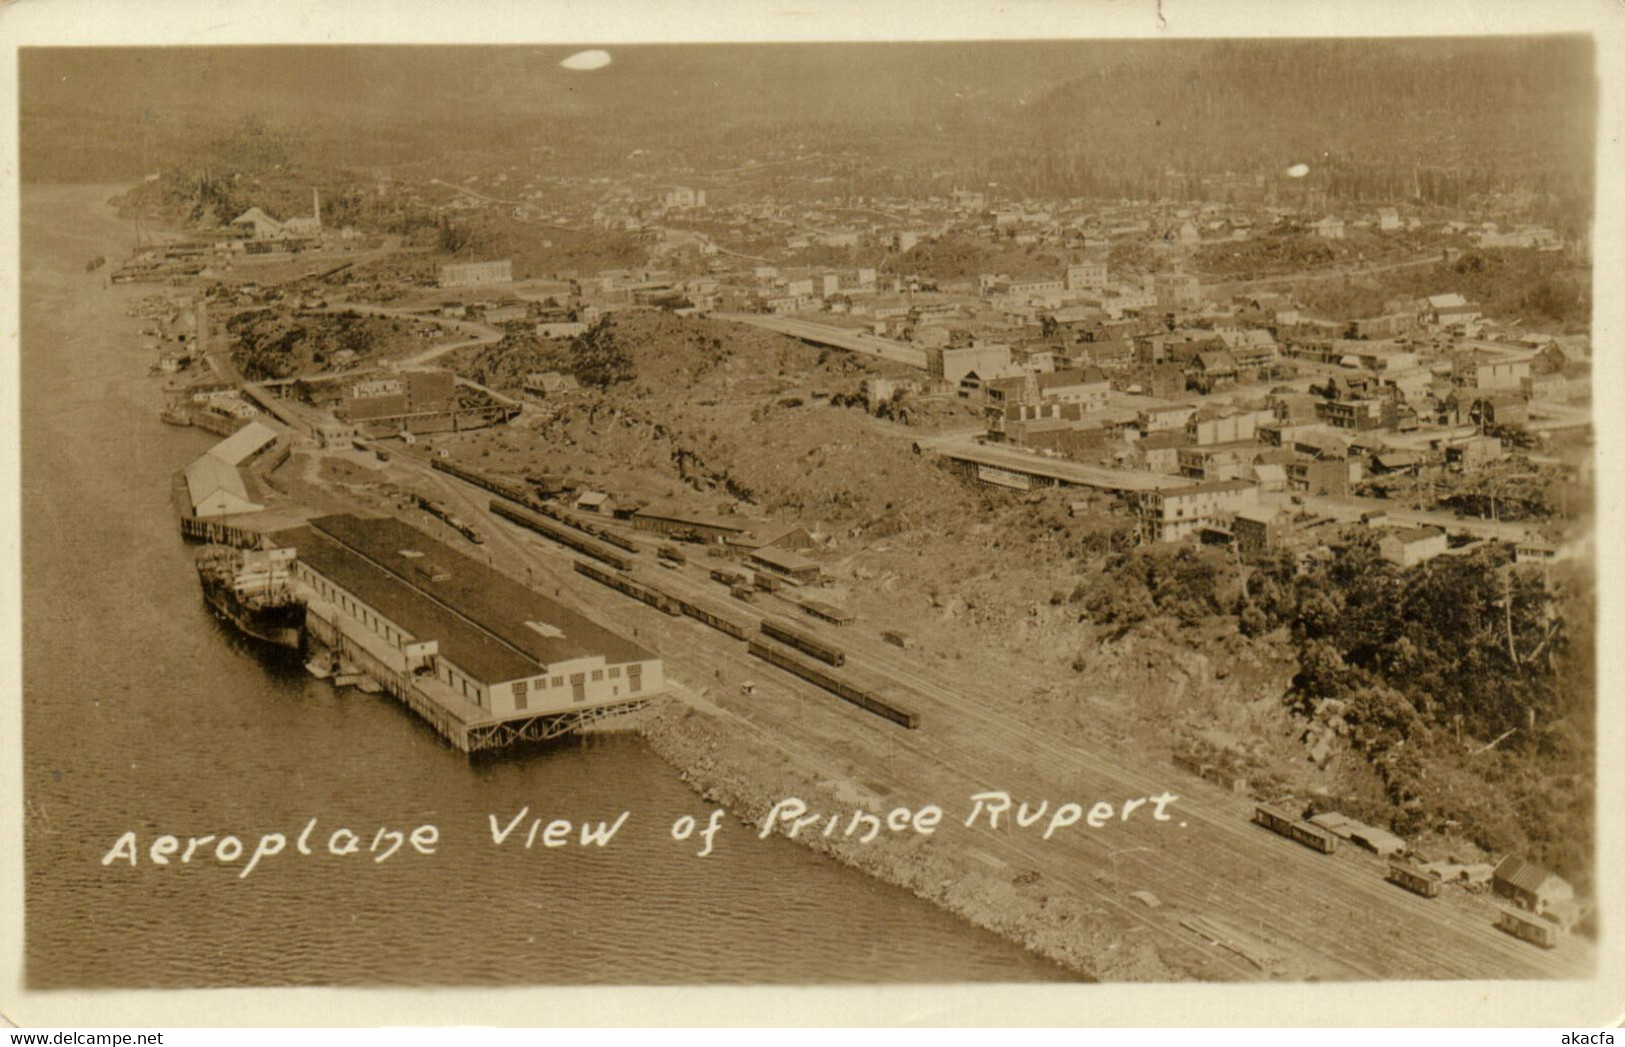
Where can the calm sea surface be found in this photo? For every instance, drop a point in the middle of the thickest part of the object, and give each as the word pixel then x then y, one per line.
pixel 142 714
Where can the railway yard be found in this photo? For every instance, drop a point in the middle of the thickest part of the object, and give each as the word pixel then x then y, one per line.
pixel 1205 894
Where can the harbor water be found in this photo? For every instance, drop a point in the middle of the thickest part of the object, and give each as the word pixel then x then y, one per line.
pixel 143 715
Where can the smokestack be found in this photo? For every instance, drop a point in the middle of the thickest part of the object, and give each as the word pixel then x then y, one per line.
pixel 316 195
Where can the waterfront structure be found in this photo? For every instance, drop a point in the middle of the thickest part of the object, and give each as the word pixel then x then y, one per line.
pixel 214 482
pixel 486 660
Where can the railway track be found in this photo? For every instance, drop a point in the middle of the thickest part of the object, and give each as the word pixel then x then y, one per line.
pixel 1323 910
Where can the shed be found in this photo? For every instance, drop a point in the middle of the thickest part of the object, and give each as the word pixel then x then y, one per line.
pixel 1529 886
pixel 786 563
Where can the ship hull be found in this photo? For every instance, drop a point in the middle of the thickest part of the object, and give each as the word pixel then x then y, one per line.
pixel 281 626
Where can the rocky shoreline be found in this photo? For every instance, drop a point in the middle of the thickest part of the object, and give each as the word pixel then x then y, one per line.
pixel 729 769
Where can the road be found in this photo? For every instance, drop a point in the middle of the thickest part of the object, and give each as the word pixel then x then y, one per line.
pixel 478 334
pixel 1080 474
pixel 834 337
pixel 1351 508
pixel 1282 910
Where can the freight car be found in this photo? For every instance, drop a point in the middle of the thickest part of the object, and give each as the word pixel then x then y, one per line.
pixel 1295 829
pixel 715 619
pixel 863 699
pixel 726 577
pixel 562 536
pixel 672 553
pixel 1529 928
pixel 805 643
pixel 434 508
pixel 520 493
pixel 631 587
pixel 1413 880
pixel 514 492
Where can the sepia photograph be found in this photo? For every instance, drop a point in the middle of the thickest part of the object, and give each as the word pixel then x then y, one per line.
pixel 544 513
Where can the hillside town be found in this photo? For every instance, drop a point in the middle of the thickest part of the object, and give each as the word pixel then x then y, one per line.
pixel 866 465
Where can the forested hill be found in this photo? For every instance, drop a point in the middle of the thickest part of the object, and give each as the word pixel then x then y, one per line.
pixel 1391 118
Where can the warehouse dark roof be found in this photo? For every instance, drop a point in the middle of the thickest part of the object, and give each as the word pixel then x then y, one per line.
pixel 511 615
pixel 470 648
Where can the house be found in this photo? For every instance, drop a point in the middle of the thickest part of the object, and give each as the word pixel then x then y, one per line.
pixel 1163 417
pixel 1529 886
pixel 1330 228
pixel 1251 348
pixel 559 329
pixel 595 502
pixel 1086 386
pixel 1500 410
pixel 1257 529
pixel 1406 546
pixel 546 384
pixel 1408 462
pixel 1212 370
pixel 1473 452
pixel 1158 452
pixel 1439 309
pixel 1173 513
pixel 257 224
pixel 1485 371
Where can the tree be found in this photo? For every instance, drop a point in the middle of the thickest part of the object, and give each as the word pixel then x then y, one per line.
pixel 598 360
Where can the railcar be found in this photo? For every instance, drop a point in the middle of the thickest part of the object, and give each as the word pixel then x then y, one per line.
pixel 1413 880
pixel 805 642
pixel 1310 836
pixel 1530 928
pixel 863 699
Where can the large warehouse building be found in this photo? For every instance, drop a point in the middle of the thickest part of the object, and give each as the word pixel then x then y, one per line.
pixel 472 274
pixel 494 649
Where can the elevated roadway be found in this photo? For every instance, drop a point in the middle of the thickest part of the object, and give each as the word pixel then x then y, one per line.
pixel 834 337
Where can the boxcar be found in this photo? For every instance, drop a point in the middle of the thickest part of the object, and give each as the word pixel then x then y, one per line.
pixel 1413 880
pixel 805 643
pixel 865 700
pixel 1529 928
pixel 1297 829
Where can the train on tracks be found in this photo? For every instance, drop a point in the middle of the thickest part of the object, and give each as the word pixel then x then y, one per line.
pixel 1279 821
pixel 654 597
pixel 511 491
pixel 673 604
pixel 662 600
pixel 863 699
pixel 804 642
pixel 565 537
pixel 1530 928
pixel 450 519
pixel 523 495
pixel 1413 880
